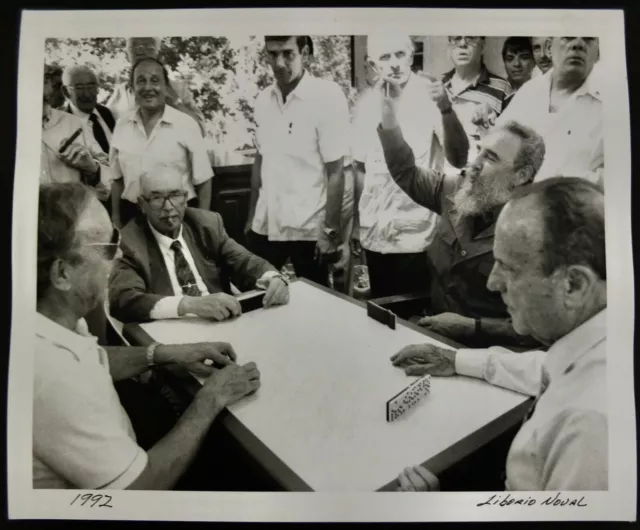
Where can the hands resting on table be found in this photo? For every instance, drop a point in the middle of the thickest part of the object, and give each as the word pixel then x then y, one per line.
pixel 421 359
pixel 225 385
pixel 221 306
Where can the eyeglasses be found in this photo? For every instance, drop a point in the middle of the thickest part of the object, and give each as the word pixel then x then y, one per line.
pixel 175 198
pixel 93 87
pixel 111 248
pixel 471 41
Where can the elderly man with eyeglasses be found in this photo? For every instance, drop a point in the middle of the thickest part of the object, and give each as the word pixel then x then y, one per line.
pixel 180 261
pixel 82 437
pixel 476 94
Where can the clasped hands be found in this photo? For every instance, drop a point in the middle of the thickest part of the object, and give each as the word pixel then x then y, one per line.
pixel 227 382
pixel 221 306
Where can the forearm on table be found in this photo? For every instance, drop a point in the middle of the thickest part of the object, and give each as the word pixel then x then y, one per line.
pixel 520 372
pixel 335 194
pixel 129 361
pixel 172 455
pixel 456 142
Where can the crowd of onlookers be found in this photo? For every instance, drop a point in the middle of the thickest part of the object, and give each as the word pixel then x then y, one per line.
pixel 485 193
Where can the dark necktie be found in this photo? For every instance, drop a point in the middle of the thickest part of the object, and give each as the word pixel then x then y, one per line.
pixel 186 279
pixel 98 133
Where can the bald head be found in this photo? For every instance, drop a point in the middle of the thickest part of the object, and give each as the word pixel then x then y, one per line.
pixel 80 87
pixel 380 44
pixel 391 56
pixel 141 47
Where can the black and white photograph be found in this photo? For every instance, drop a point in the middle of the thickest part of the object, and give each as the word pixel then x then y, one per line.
pixel 379 255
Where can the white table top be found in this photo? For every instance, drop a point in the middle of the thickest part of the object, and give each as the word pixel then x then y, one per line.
pixel 326 378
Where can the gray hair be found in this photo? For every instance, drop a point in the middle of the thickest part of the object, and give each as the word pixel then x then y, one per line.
pixel 60 207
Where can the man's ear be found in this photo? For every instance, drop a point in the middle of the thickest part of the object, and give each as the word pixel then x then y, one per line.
pixel 523 176
pixel 580 280
pixel 65 92
pixel 305 53
pixel 60 275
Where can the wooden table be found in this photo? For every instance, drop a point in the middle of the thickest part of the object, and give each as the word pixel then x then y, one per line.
pixel 318 422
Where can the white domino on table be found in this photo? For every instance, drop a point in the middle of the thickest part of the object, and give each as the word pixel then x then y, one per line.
pixel 408 398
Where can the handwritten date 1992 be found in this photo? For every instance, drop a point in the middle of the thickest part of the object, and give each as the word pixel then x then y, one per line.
pixel 93 500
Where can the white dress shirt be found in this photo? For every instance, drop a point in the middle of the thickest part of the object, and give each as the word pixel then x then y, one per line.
pixel 167 307
pixel 390 221
pixel 573 135
pixel 296 138
pixel 82 437
pixel 174 143
pixel 564 444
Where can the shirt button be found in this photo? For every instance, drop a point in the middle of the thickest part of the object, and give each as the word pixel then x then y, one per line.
pixel 464 252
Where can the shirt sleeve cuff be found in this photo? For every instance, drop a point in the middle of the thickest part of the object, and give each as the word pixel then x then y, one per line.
pixel 131 473
pixel 471 362
pixel 166 308
pixel 263 281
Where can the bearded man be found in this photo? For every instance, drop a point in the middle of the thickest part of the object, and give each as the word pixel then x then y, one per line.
pixel 461 254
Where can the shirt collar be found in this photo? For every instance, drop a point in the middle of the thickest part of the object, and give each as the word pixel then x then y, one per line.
pixel 77 342
pixel 302 89
pixel 570 348
pixel 167 115
pixel 483 77
pixel 163 241
pixel 592 85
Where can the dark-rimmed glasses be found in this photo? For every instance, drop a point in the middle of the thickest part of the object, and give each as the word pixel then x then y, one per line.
pixel 175 198
pixel 457 40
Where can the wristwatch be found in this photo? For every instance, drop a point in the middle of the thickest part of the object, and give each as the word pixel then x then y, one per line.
pixel 330 233
pixel 151 353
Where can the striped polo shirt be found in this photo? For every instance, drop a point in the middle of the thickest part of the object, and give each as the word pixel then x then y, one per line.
pixel 487 88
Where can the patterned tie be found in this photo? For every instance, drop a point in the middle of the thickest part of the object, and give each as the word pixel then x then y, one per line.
pixel 544 384
pixel 98 133
pixel 186 279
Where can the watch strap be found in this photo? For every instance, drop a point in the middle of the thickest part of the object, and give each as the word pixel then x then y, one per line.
pixel 151 353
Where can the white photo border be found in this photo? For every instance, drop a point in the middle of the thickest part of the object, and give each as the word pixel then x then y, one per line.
pixel 619 503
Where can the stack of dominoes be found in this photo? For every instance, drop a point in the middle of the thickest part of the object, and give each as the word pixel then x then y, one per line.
pixel 408 398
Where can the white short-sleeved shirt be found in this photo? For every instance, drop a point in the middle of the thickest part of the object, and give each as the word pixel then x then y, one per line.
pixel 573 136
pixel 82 437
pixel 295 139
pixel 175 142
pixel 390 221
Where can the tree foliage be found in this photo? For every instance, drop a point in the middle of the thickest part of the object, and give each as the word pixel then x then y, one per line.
pixel 224 74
